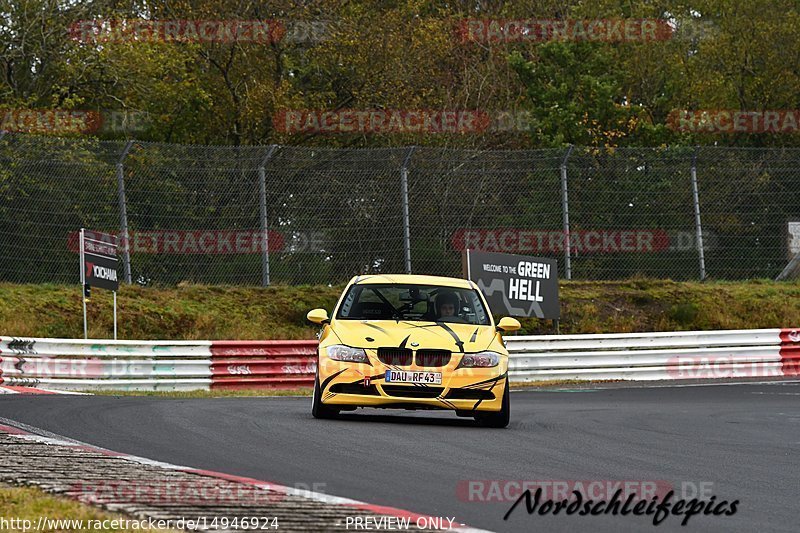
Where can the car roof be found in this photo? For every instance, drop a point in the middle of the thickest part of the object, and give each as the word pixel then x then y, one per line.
pixel 412 279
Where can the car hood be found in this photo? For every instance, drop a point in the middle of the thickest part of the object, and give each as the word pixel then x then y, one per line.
pixel 427 335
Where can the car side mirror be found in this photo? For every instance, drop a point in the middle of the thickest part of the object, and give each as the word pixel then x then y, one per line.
pixel 507 324
pixel 318 316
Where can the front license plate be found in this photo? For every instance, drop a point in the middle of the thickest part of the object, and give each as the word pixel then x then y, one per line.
pixel 402 376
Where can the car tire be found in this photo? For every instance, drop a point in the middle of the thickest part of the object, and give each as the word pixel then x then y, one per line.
pixel 318 409
pixel 499 419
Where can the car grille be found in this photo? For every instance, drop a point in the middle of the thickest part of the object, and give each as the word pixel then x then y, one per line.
pixel 429 358
pixel 470 394
pixel 395 356
pixel 412 392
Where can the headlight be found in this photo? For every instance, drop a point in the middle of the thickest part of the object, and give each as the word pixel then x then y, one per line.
pixel 479 360
pixel 340 352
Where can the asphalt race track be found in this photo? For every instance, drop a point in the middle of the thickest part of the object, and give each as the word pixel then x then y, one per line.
pixel 735 442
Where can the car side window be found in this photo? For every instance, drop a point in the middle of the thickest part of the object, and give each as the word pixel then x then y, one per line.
pixel 477 308
pixel 347 304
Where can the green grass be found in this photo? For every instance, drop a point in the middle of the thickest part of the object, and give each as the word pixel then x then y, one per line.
pixel 27 503
pixel 278 312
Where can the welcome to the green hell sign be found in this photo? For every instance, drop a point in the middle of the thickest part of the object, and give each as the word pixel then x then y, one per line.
pixel 516 285
pixel 524 288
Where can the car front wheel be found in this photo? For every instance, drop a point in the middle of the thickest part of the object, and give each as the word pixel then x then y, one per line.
pixel 499 419
pixel 318 409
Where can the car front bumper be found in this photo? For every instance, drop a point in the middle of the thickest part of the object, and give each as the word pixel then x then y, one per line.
pixel 465 389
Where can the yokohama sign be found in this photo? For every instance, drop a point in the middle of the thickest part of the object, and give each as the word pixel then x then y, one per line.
pixel 99 260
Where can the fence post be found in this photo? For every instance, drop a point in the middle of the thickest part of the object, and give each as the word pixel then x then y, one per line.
pixel 565 213
pixel 791 268
pixel 697 224
pixel 123 214
pixel 262 185
pixel 406 217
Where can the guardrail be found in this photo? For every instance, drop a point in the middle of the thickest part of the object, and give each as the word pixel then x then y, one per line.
pixel 254 364
pixel 71 364
pixel 656 356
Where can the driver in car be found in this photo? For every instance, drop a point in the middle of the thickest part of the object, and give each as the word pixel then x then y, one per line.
pixel 446 305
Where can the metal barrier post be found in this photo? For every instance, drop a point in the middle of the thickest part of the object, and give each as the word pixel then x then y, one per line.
pixel 115 315
pixel 123 215
pixel 262 185
pixel 697 224
pixel 406 217
pixel 565 213
pixel 81 247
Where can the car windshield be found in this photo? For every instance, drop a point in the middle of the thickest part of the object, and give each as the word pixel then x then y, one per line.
pixel 413 302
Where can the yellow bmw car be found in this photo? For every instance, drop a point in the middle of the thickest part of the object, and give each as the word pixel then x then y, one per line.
pixel 412 342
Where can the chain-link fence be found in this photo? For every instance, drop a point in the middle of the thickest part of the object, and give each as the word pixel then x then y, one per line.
pixel 281 214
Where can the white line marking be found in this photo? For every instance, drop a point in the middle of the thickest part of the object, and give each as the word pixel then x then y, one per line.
pixel 21 389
